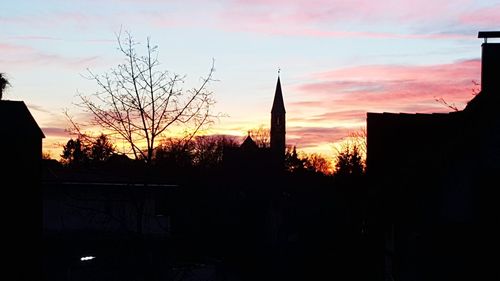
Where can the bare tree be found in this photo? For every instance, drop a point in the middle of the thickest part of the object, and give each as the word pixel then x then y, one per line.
pixel 139 103
pixel 359 138
pixel 317 163
pixel 261 136
pixel 3 84
pixel 451 106
pixel 209 150
pixel 476 88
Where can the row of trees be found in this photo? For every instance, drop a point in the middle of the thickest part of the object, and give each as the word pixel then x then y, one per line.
pixel 86 151
pixel 349 157
pixel 206 152
pixel 200 151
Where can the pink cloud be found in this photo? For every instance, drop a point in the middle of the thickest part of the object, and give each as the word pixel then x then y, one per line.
pixel 325 18
pixel 51 132
pixel 306 137
pixel 336 102
pixel 78 18
pixel 485 16
pixel 341 10
pixel 345 115
pixel 16 55
pixel 44 59
pixel 340 116
pixel 385 87
pixel 346 96
pixel 306 104
pixel 50 38
pixel 13 49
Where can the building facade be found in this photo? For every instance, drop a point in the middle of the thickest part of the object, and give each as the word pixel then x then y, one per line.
pixel 435 174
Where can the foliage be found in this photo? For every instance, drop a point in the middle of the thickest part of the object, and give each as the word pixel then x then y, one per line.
pixel 293 163
pixel 209 150
pixel 174 153
pixel 350 157
pixel 316 163
pixel 46 156
pixel 74 153
pixel 349 161
pixel 3 84
pixel 101 149
pixel 81 151
pixel 203 152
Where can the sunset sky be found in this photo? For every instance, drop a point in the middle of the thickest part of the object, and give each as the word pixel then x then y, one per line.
pixel 338 58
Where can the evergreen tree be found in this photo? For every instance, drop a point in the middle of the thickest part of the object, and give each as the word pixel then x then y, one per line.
pixel 349 161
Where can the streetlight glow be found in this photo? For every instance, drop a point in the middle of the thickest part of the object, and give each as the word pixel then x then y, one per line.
pixel 87 258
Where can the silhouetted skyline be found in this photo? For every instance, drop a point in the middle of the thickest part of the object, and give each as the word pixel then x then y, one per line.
pixel 424 207
pixel 338 59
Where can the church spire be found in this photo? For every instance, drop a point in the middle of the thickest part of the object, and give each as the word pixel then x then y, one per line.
pixel 278 104
pixel 278 126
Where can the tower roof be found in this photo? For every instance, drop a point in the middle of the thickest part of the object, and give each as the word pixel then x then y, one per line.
pixel 278 104
pixel 248 143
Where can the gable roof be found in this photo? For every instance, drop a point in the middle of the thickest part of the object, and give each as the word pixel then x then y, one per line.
pixel 248 144
pixel 16 119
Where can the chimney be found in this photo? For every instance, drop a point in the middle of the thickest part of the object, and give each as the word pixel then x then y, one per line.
pixel 490 64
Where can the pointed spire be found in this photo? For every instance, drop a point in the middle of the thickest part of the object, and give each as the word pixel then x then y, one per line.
pixel 278 104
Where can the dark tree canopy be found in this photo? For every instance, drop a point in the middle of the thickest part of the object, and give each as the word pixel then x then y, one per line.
pixel 83 151
pixel 317 163
pixel 293 163
pixel 101 149
pixel 204 152
pixel 349 161
pixel 3 84
pixel 74 153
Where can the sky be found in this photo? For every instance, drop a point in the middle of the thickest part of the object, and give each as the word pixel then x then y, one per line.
pixel 339 58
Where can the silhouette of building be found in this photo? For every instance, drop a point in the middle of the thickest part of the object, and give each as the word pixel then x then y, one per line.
pixel 278 125
pixel 21 143
pixel 249 156
pixel 436 175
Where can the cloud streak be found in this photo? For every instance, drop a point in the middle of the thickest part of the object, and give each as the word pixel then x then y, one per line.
pixel 355 18
pixel 306 137
pixel 55 132
pixel 393 87
pixel 16 55
pixel 487 16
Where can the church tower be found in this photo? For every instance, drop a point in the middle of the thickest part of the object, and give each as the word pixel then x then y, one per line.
pixel 278 128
